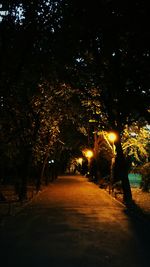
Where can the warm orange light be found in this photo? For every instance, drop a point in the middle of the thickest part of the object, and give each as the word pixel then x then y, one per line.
pixel 88 153
pixel 79 160
pixel 112 137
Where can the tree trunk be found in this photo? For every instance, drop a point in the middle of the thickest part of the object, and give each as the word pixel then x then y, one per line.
pixel 23 188
pixel 44 165
pixel 24 172
pixel 23 177
pixel 123 172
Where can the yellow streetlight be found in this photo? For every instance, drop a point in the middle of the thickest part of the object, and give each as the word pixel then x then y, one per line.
pixel 88 154
pixel 80 160
pixel 112 137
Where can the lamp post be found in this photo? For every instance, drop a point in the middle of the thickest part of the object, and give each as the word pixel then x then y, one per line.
pixel 80 160
pixel 79 164
pixel 88 154
pixel 112 137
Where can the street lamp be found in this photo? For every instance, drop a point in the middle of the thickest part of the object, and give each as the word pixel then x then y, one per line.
pixel 88 154
pixel 80 160
pixel 79 164
pixel 112 137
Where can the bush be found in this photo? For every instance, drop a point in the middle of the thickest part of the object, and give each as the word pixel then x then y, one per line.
pixel 145 172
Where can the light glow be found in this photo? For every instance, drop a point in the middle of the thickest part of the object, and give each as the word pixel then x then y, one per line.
pixel 79 160
pixel 112 137
pixel 88 153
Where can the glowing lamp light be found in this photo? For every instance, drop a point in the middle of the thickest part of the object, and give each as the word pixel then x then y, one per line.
pixel 112 137
pixel 51 161
pixel 79 160
pixel 89 154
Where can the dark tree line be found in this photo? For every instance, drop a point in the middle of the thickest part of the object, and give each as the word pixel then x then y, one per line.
pixel 69 60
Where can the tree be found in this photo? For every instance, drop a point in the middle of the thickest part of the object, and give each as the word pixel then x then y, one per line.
pixel 98 59
pixel 135 141
pixel 29 27
pixel 105 55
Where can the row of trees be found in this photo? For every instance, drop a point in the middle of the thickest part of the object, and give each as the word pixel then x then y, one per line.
pixel 62 64
pixel 135 145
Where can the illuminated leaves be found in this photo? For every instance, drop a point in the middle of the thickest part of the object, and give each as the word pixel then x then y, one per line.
pixel 135 142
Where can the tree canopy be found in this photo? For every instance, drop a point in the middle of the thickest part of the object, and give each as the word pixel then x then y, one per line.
pixel 68 62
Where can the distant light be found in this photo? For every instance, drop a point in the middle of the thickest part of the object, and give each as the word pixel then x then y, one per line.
pixel 113 54
pixel 79 59
pixel 92 120
pixel 88 153
pixel 51 161
pixel 112 137
pixel 79 160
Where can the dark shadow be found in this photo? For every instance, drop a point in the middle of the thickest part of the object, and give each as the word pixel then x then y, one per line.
pixel 140 223
pixel 135 210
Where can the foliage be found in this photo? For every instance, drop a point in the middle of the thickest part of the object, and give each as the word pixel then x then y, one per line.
pixel 145 171
pixel 136 142
pixel 45 122
pixel 106 57
pixel 63 65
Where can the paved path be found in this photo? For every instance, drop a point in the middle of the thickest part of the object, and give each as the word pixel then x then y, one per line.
pixel 73 223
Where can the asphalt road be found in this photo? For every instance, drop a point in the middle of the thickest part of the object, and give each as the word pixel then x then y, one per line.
pixel 73 223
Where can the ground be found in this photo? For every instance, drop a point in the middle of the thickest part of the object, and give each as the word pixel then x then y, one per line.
pixel 74 223
pixel 142 199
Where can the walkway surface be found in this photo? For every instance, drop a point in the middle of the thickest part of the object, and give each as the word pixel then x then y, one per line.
pixel 73 223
